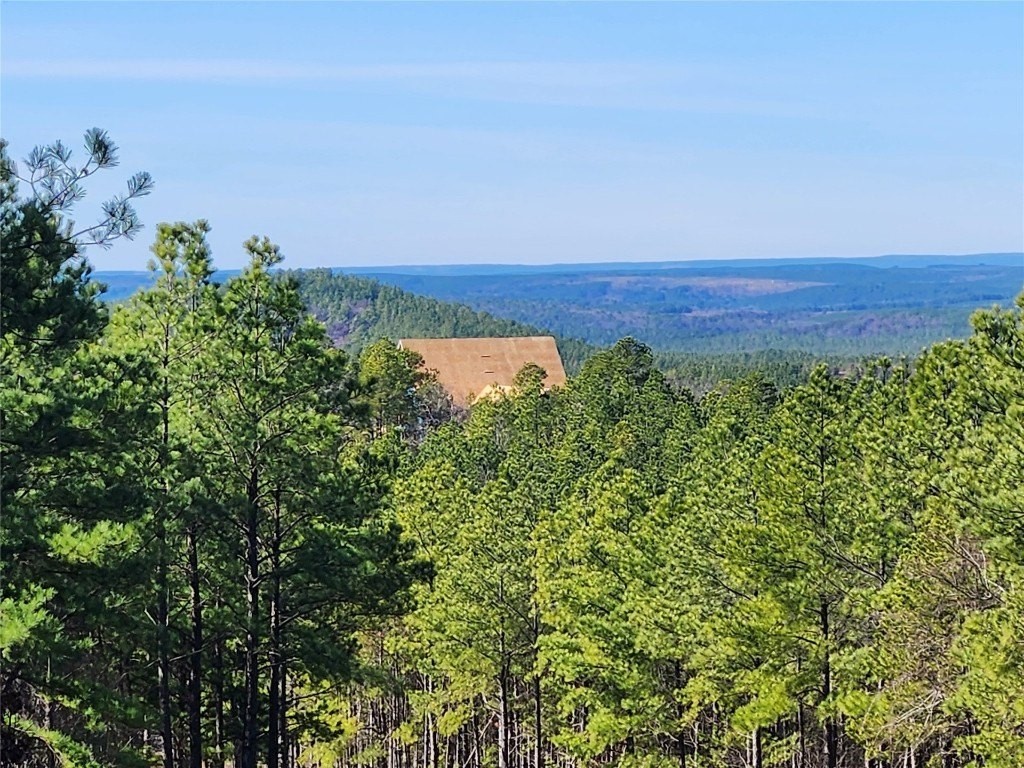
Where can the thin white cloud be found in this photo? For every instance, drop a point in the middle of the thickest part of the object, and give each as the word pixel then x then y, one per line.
pixel 596 84
pixel 242 70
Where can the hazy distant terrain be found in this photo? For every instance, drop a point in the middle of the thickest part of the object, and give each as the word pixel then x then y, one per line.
pixel 884 305
pixel 889 304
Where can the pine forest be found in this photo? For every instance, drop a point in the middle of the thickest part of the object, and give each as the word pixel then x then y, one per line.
pixel 227 542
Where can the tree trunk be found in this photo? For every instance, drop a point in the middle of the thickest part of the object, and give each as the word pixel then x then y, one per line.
pixel 274 713
pixel 250 738
pixel 218 704
pixel 163 650
pixel 677 675
pixel 431 733
pixel 503 673
pixel 800 724
pixel 163 586
pixel 831 727
pixel 283 728
pixel 503 705
pixel 476 757
pixel 195 722
pixel 538 724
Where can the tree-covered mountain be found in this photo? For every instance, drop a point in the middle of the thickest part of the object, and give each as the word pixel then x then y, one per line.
pixel 358 311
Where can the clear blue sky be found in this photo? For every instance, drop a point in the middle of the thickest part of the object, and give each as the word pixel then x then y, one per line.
pixel 356 134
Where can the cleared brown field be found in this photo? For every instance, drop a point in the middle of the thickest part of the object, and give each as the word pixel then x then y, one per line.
pixel 721 286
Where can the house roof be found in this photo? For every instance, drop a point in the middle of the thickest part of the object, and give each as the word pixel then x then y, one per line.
pixel 468 368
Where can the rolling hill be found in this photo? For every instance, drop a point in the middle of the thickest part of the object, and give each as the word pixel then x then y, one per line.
pixel 888 305
pixel 841 308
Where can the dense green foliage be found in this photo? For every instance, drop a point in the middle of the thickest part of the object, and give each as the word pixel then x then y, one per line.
pixel 225 541
pixel 701 372
pixel 191 528
pixel 829 576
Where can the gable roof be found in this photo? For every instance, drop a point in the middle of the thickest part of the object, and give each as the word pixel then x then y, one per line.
pixel 469 367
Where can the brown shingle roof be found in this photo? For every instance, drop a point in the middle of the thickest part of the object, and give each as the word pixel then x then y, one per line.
pixel 466 367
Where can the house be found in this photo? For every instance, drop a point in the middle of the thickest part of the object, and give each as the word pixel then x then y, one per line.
pixel 473 368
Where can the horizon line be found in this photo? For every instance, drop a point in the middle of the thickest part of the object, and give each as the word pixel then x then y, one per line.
pixel 576 264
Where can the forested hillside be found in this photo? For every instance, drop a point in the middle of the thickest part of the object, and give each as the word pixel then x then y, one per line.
pixel 225 541
pixel 358 311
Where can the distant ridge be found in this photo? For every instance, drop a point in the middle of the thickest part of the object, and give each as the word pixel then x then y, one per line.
pixel 884 261
pixel 124 282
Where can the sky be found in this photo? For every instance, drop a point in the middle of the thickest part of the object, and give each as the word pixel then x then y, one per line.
pixel 435 133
